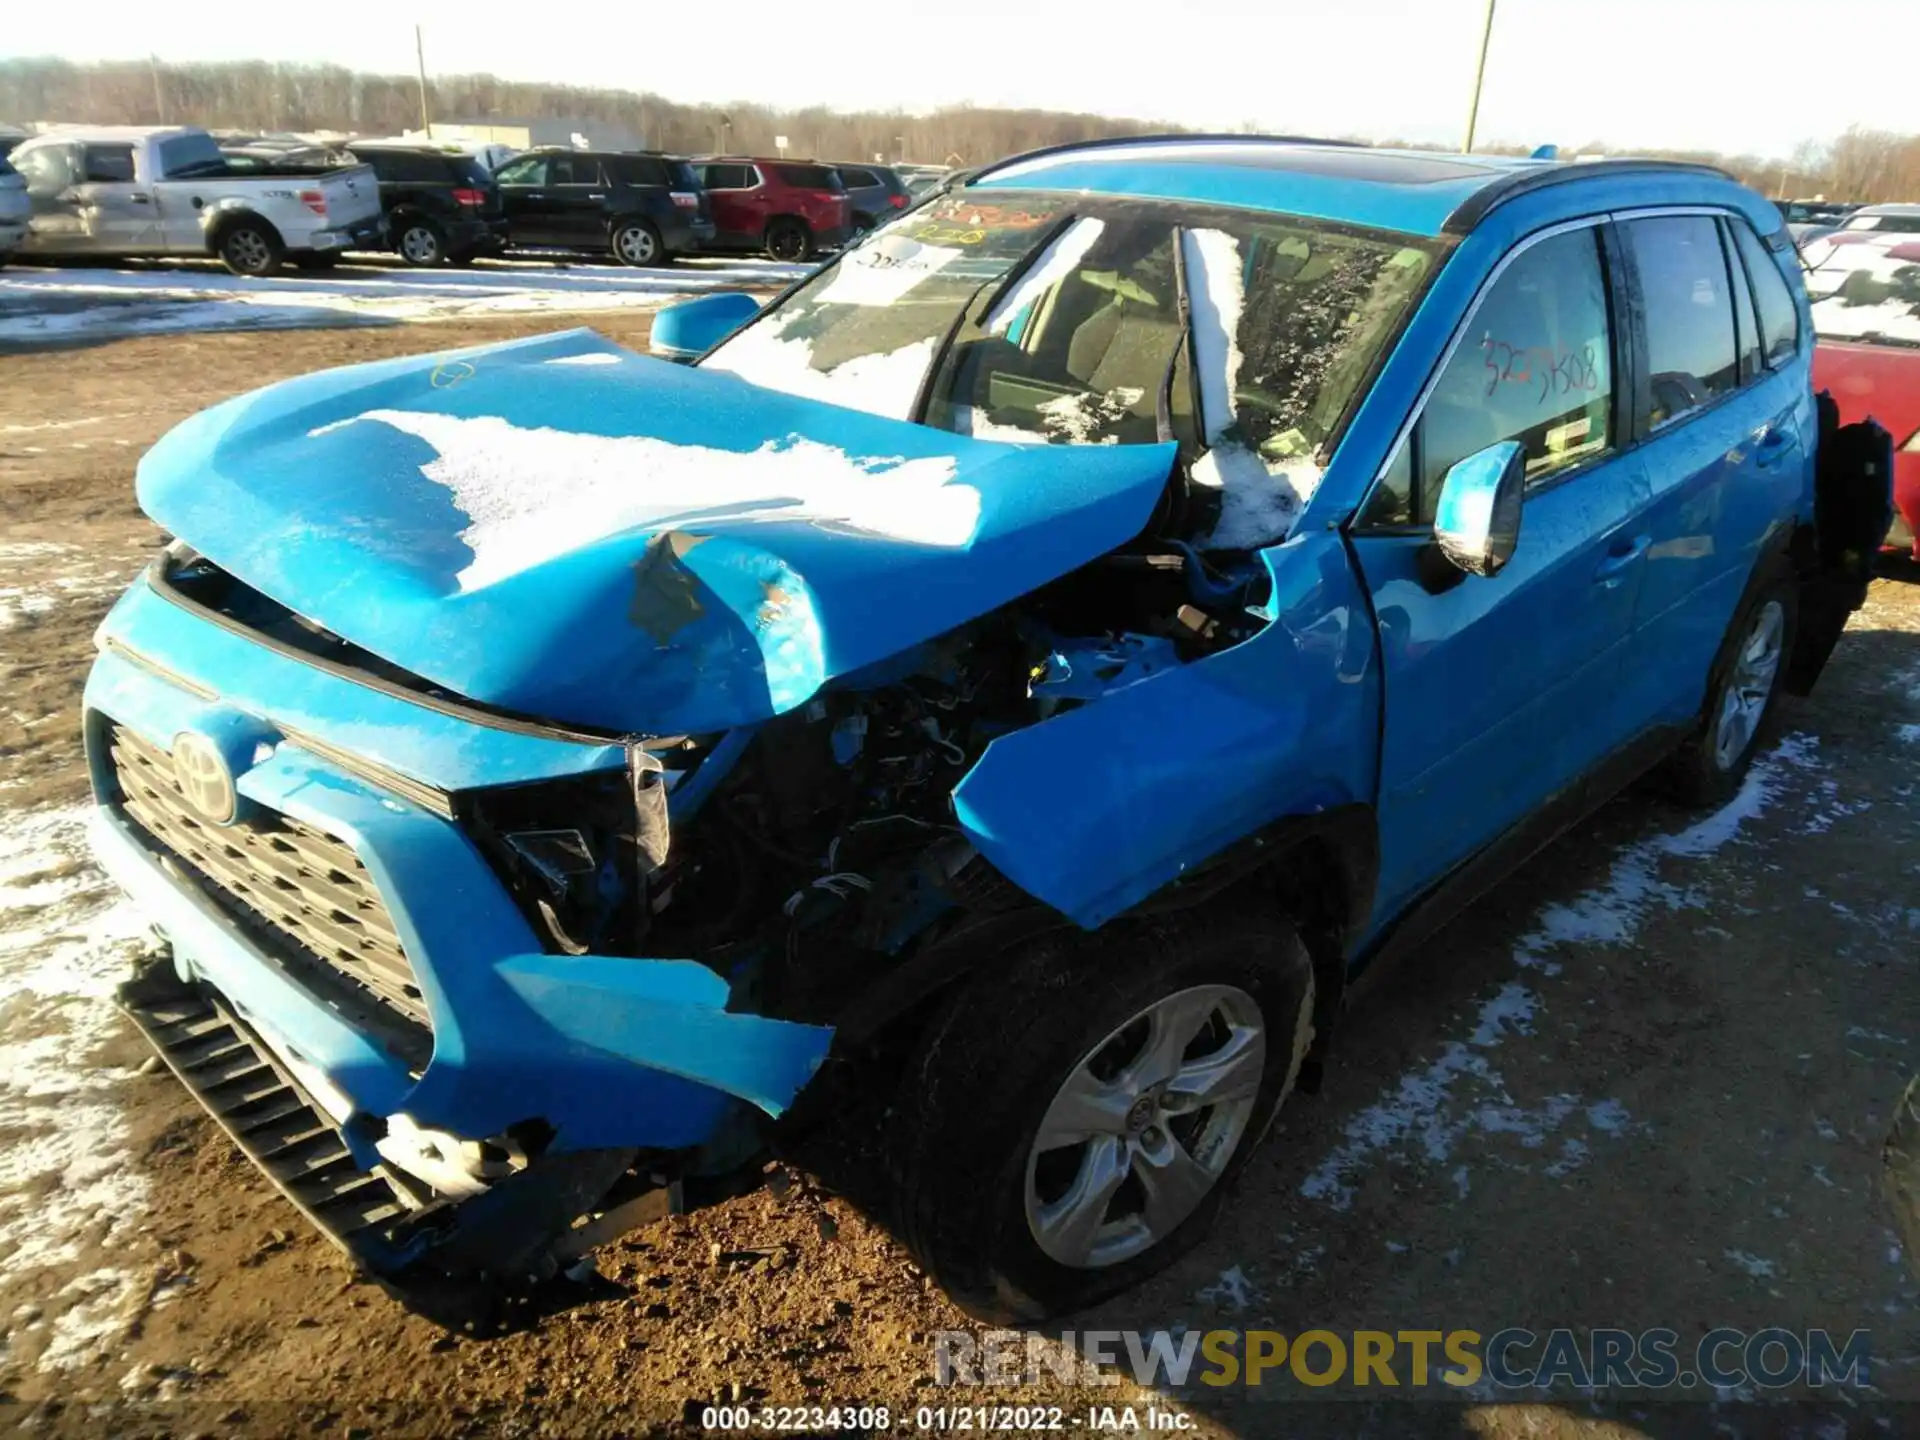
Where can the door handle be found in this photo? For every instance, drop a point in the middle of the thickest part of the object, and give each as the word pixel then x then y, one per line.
pixel 1771 443
pixel 1621 557
pixel 141 199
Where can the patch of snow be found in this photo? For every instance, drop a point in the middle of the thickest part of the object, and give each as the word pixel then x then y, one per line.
pixel 1231 1291
pixel 1077 417
pixel 1259 499
pixel 1215 304
pixel 66 1179
pixel 881 383
pixel 591 357
pixel 1908 734
pixel 64 304
pixel 1059 260
pixel 1421 1112
pixel 973 422
pixel 1753 1265
pixel 531 494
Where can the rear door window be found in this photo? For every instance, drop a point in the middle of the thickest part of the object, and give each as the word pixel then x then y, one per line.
pixel 106 164
pixel 1687 302
pixel 573 170
pixel 727 176
pixel 1779 317
pixel 857 179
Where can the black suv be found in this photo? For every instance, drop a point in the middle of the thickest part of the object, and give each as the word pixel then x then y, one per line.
pixel 876 193
pixel 441 207
pixel 643 208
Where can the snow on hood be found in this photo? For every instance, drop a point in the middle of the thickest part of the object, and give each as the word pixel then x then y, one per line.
pixel 628 543
pixel 591 486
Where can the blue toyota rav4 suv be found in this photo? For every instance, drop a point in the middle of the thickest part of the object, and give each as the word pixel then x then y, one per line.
pixel 1035 665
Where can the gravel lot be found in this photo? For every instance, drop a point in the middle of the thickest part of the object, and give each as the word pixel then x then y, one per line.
pixel 1643 1084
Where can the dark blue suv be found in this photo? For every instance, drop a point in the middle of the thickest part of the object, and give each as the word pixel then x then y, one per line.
pixel 1030 670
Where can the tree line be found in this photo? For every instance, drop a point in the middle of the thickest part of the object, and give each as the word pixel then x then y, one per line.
pixel 1866 165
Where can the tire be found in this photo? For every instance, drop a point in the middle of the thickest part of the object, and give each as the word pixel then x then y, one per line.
pixel 789 240
pixel 251 247
pixel 1743 693
pixel 974 1190
pixel 421 243
pixel 635 242
pixel 6 257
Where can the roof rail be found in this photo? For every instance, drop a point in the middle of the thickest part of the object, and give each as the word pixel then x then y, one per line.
pixel 1162 139
pixel 1475 208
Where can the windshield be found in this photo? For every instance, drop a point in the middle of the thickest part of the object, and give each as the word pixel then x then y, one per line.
pixel 1041 317
pixel 1865 287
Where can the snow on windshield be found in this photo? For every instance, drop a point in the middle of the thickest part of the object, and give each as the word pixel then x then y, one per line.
pixel 533 493
pixel 1060 260
pixel 1866 287
pixel 1259 499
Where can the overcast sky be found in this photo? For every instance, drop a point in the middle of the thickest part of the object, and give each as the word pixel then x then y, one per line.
pixel 1733 75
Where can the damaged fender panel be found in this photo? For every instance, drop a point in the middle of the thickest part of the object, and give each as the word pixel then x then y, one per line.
pixel 490 519
pixel 1095 809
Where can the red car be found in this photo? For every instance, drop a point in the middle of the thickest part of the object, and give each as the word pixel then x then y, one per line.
pixel 1865 289
pixel 788 208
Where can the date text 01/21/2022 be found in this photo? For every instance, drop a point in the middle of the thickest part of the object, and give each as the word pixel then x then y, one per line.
pixel 812 1419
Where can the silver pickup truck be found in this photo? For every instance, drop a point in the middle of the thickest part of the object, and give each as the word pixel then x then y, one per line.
pixel 144 190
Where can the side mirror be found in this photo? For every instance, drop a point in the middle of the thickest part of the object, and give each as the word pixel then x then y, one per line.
pixel 688 330
pixel 1477 522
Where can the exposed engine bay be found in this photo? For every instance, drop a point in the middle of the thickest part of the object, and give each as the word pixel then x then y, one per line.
pixel 809 853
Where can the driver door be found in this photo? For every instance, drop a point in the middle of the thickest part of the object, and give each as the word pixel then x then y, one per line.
pixel 528 206
pixel 118 214
pixel 1502 690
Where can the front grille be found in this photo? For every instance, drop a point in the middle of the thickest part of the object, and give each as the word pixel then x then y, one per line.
pixel 304 891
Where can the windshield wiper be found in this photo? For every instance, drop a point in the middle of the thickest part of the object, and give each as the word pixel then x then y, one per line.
pixel 972 316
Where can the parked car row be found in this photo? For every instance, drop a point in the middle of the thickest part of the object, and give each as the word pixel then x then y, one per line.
pixel 157 191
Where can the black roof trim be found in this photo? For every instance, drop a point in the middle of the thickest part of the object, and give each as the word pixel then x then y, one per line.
pixel 1070 146
pixel 1475 208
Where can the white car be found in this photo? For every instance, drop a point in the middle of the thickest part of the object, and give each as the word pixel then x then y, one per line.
pixel 124 190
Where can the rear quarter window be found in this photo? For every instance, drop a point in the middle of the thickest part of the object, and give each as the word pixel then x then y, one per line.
pixel 1779 319
pixel 637 170
pixel 810 177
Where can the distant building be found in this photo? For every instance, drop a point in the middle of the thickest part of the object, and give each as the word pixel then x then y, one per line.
pixel 526 134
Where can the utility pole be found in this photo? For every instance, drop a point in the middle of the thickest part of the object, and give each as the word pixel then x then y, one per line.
pixel 159 92
pixel 420 58
pixel 1479 75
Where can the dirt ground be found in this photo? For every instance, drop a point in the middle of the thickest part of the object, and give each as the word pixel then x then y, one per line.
pixel 1644 1084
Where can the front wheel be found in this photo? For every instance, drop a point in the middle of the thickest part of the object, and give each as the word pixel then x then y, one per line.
pixel 1070 1126
pixel 421 243
pixel 250 248
pixel 637 243
pixel 789 240
pixel 1743 691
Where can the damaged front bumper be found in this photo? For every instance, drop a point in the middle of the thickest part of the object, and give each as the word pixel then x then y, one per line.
pixel 502 1089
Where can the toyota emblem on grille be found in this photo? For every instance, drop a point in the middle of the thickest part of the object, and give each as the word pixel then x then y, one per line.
pixel 204 779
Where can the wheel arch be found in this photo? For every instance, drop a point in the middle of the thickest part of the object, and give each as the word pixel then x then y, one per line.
pixel 221 222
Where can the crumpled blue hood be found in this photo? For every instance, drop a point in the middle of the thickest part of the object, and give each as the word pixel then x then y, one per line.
pixel 562 527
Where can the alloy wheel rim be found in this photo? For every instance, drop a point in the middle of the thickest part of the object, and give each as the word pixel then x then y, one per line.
pixel 787 245
pixel 1749 686
pixel 248 249
pixel 1144 1125
pixel 636 246
pixel 419 245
